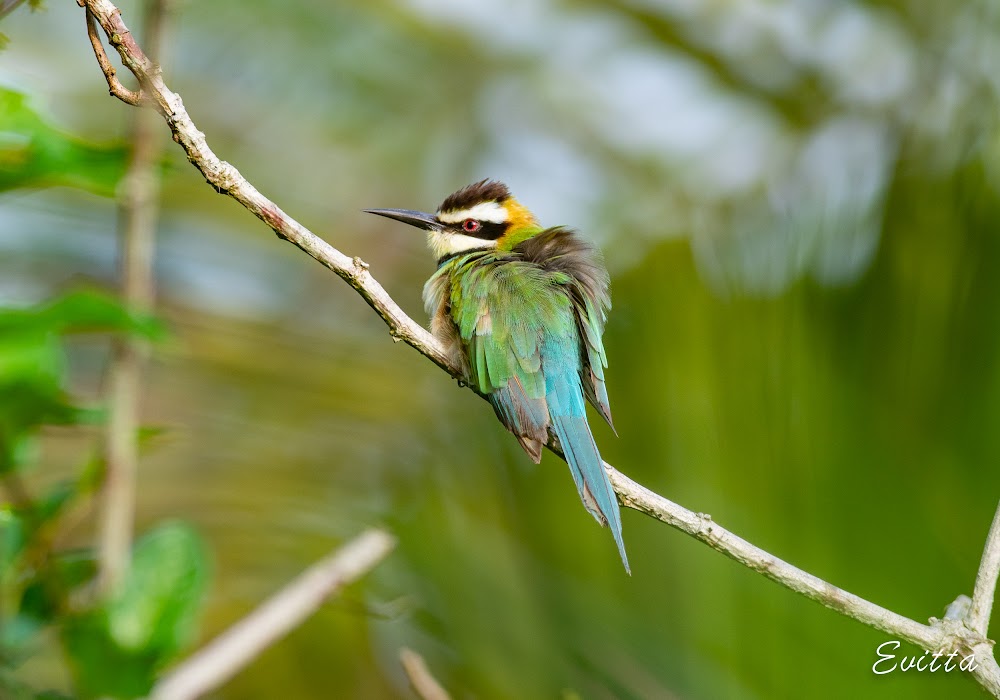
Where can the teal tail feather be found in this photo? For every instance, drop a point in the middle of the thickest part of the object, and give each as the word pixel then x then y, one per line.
pixel 588 472
pixel 569 422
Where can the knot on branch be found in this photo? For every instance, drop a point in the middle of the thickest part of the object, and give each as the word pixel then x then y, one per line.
pixel 225 179
pixel 956 634
pixel 706 526
pixel 355 273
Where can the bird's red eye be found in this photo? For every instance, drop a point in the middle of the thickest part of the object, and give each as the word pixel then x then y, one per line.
pixel 470 225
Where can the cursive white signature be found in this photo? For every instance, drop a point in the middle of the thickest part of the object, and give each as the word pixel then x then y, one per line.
pixel 887 662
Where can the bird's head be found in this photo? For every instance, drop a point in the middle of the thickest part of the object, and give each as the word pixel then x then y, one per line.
pixel 482 216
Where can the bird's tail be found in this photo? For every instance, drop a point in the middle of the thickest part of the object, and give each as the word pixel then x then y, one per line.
pixel 569 421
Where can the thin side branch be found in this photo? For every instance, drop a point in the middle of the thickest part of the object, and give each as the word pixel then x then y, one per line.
pixel 986 580
pixel 235 648
pixel 110 74
pixel 424 684
pixel 226 179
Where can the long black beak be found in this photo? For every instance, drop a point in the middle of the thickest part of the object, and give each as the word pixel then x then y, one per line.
pixel 408 216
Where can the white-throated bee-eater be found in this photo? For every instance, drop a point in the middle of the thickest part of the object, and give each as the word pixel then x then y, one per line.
pixel 522 309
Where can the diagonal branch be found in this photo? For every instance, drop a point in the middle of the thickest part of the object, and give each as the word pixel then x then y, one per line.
pixel 703 528
pixel 986 580
pixel 424 684
pixel 273 619
pixel 938 635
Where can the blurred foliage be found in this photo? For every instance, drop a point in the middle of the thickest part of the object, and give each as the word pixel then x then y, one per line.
pixel 32 365
pixel 8 6
pixel 34 154
pixel 798 202
pixel 115 646
pixel 117 649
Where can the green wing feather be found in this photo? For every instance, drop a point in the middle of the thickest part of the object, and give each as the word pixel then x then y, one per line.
pixel 502 308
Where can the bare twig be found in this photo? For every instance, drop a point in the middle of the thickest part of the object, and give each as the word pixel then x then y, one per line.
pixel 986 580
pixel 938 636
pixel 273 619
pixel 140 192
pixel 110 74
pixel 988 673
pixel 424 684
pixel 703 528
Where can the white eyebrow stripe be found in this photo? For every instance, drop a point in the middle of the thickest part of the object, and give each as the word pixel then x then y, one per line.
pixel 493 212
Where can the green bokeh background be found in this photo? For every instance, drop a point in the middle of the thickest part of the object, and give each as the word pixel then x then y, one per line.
pixel 799 206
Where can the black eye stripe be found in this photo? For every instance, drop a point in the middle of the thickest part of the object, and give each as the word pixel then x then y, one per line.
pixel 488 230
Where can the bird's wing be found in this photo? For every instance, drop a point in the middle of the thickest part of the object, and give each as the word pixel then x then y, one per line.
pixel 502 314
pixel 575 263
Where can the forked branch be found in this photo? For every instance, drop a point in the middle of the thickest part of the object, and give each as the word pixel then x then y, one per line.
pixel 940 635
pixel 110 73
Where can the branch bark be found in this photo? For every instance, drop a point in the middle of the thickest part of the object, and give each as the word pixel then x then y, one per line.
pixel 115 87
pixel 277 616
pixel 986 580
pixel 703 528
pixel 940 635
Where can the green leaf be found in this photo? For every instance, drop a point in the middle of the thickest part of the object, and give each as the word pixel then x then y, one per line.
pixel 33 365
pixel 12 539
pixel 117 649
pixel 34 154
pixel 101 669
pixel 80 311
pixel 43 594
pixel 90 310
pixel 158 606
pixel 32 368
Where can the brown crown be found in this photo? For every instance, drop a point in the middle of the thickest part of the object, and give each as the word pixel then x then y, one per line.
pixel 476 193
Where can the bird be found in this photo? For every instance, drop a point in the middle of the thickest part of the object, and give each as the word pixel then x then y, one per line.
pixel 521 309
